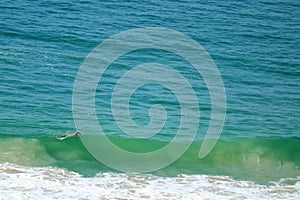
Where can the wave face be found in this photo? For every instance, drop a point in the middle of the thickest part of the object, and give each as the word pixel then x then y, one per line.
pixel 257 159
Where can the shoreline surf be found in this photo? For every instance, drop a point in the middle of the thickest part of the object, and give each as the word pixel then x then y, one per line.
pixel 49 182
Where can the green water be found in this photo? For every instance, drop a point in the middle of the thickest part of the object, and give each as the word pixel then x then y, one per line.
pixel 258 159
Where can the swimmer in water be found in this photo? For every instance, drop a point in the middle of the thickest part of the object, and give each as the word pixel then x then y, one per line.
pixel 70 135
pixel 73 135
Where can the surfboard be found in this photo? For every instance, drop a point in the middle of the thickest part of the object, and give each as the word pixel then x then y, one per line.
pixel 61 138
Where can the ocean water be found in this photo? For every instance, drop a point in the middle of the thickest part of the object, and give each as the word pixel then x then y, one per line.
pixel 255 45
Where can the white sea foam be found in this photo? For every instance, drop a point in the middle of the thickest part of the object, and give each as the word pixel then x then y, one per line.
pixel 18 182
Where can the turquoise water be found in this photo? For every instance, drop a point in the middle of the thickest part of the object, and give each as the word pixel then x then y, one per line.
pixel 255 45
pixel 256 159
